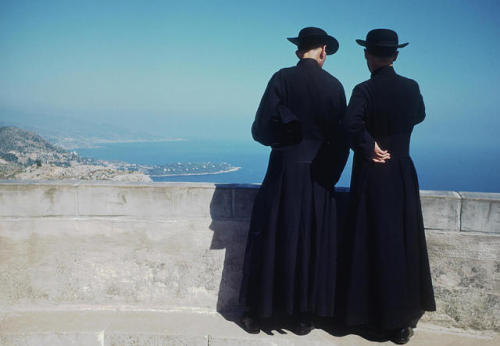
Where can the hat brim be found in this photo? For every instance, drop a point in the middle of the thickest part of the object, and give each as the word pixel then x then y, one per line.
pixel 365 44
pixel 332 45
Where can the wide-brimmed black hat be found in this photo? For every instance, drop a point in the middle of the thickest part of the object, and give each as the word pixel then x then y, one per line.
pixel 311 36
pixel 381 42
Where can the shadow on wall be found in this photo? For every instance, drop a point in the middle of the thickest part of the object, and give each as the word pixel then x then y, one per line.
pixel 230 233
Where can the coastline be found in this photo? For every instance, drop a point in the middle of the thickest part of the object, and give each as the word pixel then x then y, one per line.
pixel 112 141
pixel 75 144
pixel 233 169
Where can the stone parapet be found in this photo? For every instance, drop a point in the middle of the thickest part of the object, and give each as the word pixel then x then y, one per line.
pixel 443 210
pixel 480 212
pixel 91 245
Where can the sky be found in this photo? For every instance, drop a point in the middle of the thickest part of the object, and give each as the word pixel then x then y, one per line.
pixel 199 68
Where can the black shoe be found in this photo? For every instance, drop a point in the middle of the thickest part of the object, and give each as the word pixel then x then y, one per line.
pixel 402 336
pixel 250 324
pixel 303 327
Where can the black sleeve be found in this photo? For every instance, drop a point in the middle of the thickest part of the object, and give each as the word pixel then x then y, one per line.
pixel 355 126
pixel 267 113
pixel 327 166
pixel 341 152
pixel 420 114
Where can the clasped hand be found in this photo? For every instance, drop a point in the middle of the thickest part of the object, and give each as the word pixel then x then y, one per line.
pixel 379 155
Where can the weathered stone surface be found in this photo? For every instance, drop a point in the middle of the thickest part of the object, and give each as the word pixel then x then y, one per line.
pixel 441 209
pixel 154 328
pixel 249 341
pixel 197 264
pixel 466 278
pixel 37 200
pixel 120 262
pixel 188 263
pixel 142 339
pixel 149 201
pixel 175 245
pixel 480 212
pixel 50 339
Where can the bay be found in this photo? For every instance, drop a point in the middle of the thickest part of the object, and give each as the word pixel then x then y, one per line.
pixel 448 168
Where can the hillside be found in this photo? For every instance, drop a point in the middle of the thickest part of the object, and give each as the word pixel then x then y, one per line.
pixel 25 155
pixel 27 148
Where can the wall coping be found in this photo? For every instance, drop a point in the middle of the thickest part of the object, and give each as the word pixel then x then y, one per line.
pixel 443 210
pixel 75 182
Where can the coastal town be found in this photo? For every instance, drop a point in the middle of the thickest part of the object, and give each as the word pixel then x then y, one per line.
pixel 25 155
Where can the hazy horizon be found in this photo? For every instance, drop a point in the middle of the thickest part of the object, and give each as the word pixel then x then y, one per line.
pixel 197 70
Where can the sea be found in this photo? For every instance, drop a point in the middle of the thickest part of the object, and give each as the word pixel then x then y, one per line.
pixel 449 168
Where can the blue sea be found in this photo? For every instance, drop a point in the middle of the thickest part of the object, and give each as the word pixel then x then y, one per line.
pixel 443 169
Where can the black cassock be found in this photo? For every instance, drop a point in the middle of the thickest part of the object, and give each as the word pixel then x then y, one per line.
pixel 290 258
pixel 387 281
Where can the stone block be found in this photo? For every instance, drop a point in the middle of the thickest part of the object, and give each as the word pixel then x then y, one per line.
pixel 50 339
pixel 441 209
pixel 69 262
pixel 31 200
pixel 466 277
pixel 162 201
pixel 249 341
pixel 143 339
pixel 480 212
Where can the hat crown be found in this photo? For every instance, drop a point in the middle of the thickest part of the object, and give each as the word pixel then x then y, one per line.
pixel 311 36
pixel 381 42
pixel 382 37
pixel 311 31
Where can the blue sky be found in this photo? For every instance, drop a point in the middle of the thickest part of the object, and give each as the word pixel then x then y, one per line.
pixel 198 68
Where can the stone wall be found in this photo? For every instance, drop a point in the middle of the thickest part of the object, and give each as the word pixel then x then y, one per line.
pixel 76 245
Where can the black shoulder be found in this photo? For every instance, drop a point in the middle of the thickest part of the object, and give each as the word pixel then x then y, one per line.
pixel 283 74
pixel 278 73
pixel 408 81
pixel 362 87
pixel 331 80
pixel 287 70
pixel 275 78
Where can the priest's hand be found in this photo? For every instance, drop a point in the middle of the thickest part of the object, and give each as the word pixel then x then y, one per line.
pixel 379 155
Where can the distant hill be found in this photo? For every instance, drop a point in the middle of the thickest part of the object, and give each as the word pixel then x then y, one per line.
pixel 13 138
pixel 26 148
pixel 73 132
pixel 24 155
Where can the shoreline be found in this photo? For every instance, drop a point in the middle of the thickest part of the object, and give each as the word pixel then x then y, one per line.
pixel 99 143
pixel 233 169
